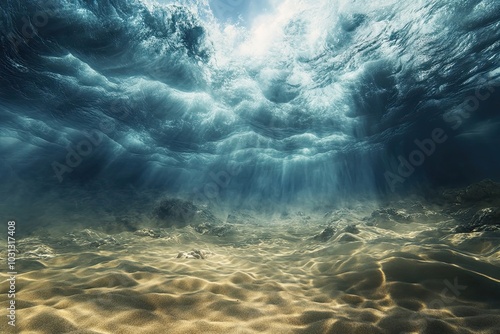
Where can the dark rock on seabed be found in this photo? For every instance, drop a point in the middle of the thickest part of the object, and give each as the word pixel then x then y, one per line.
pixel 147 232
pixel 393 214
pixel 485 190
pixel 353 229
pixel 487 219
pixel 325 235
pixel 475 208
pixel 212 229
pixel 179 213
pixel 195 254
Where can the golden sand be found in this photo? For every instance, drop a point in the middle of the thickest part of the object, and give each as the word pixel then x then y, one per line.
pixel 272 278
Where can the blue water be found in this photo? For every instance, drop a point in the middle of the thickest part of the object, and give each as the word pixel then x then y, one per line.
pixel 300 103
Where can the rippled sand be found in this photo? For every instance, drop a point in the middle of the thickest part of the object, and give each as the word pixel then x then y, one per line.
pixel 270 278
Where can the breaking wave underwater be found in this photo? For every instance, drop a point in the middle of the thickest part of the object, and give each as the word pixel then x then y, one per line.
pixel 320 168
pixel 314 102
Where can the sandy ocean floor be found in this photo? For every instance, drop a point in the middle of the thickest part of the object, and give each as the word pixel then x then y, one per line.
pixel 379 276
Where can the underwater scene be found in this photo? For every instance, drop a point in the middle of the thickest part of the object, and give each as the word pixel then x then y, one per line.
pixel 250 166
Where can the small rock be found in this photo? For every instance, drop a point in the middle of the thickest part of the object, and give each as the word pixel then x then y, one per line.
pixel 146 232
pixel 195 254
pixel 96 244
pixel 399 216
pixel 326 234
pixel 41 252
pixel 482 190
pixel 212 229
pixel 486 219
pixel 347 237
pixel 352 229
pixel 180 213
pixel 477 192
pixel 104 241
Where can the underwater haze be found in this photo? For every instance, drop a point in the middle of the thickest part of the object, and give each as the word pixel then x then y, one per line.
pixel 305 102
pixel 267 166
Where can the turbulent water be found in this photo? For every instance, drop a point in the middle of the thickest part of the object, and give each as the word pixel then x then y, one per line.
pixel 231 166
pixel 311 101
